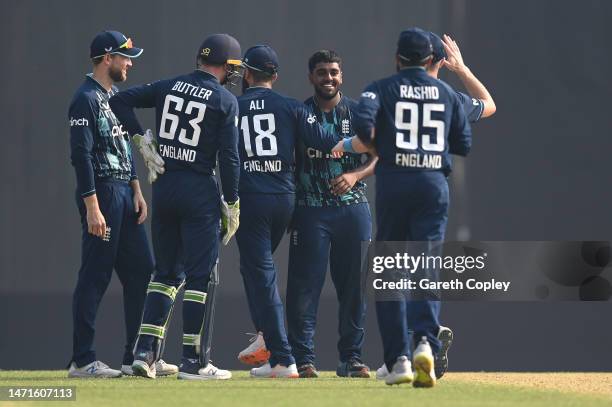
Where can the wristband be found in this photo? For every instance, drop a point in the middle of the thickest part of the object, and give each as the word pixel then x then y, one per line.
pixel 347 145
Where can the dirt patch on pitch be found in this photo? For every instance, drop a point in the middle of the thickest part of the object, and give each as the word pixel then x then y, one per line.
pixel 583 383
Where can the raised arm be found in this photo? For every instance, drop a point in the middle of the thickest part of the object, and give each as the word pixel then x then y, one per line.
pixel 476 89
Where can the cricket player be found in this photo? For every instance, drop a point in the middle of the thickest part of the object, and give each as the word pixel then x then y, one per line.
pixel 478 104
pixel 196 120
pixel 414 121
pixel 332 218
pixel 270 125
pixel 110 204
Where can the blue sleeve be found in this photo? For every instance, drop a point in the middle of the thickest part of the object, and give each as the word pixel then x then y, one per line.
pixel 473 107
pixel 123 104
pixel 310 131
pixel 133 175
pixel 229 160
pixel 367 110
pixel 460 133
pixel 82 129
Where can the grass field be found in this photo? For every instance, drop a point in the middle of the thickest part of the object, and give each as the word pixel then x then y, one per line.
pixel 456 389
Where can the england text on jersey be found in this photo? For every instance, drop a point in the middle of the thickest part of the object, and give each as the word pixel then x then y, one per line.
pixel 183 154
pixel 431 161
pixel 263 166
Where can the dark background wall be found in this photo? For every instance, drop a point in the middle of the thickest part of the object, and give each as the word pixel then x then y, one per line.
pixel 539 169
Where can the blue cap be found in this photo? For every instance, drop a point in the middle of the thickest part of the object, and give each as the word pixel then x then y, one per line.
pixel 113 42
pixel 220 49
pixel 261 58
pixel 439 53
pixel 414 45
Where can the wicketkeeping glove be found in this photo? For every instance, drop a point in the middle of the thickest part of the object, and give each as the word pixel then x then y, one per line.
pixel 148 148
pixel 230 219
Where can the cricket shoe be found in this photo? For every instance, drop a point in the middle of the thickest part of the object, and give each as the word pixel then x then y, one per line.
pixel 144 364
pixel 191 369
pixel 278 371
pixel 445 336
pixel 423 361
pixel 353 368
pixel 401 372
pixel 256 354
pixel 308 371
pixel 382 372
pixel 161 369
pixel 95 369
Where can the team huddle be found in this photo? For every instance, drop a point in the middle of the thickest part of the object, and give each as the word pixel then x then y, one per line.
pixel 284 166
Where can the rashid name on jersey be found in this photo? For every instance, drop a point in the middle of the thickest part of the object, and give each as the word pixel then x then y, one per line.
pixel 196 118
pixel 100 148
pixel 315 169
pixel 270 126
pixel 419 122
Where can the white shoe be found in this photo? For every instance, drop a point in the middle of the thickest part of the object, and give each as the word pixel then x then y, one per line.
pixel 93 370
pixel 190 370
pixel 400 373
pixel 256 354
pixel 276 371
pixel 161 369
pixel 382 372
pixel 143 369
pixel 423 361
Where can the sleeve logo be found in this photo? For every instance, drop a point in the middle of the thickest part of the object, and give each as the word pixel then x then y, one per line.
pixel 370 95
pixel 79 122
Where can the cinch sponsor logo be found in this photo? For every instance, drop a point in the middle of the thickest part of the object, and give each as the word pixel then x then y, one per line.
pixel 79 122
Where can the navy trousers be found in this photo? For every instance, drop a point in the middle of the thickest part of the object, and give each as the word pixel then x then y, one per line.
pixel 263 222
pixel 323 235
pixel 409 207
pixel 185 228
pixel 127 252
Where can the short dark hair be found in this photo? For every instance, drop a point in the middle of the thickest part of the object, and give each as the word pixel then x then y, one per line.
pixel 260 76
pixel 326 56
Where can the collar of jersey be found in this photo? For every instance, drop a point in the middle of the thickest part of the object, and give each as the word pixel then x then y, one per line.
pixel 206 73
pixel 98 84
pixel 252 89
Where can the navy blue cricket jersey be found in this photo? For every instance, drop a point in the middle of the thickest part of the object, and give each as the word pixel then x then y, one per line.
pixel 99 147
pixel 196 119
pixel 315 169
pixel 419 120
pixel 270 126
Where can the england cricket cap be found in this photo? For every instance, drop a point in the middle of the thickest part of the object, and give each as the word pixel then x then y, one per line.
pixel 414 45
pixel 261 58
pixel 439 52
pixel 113 42
pixel 221 49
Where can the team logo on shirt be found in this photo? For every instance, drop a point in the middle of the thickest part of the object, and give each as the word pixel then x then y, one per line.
pixel 311 118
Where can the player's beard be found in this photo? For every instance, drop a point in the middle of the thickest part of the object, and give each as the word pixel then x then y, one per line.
pixel 326 96
pixel 116 74
pixel 245 85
